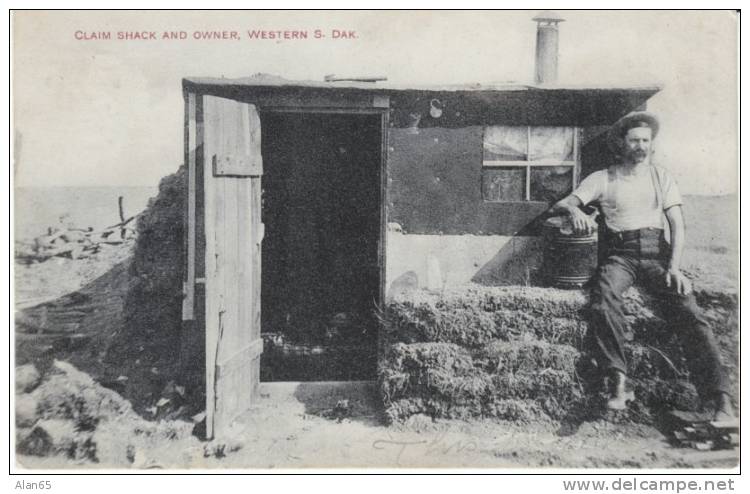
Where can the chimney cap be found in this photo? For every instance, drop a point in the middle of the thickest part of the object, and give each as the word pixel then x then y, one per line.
pixel 548 16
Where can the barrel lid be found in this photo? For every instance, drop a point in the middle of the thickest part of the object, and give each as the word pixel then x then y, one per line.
pixel 561 224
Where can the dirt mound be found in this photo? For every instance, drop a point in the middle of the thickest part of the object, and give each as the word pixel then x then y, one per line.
pixel 116 314
pixel 147 347
pixel 476 353
pixel 154 302
pixel 80 311
pixel 71 416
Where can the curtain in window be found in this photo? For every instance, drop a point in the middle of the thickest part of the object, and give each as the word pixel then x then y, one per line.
pixel 505 143
pixel 551 143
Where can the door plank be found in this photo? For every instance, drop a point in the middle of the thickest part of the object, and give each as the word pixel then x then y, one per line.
pixel 188 302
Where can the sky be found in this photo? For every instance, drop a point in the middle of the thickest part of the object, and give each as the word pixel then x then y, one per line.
pixel 110 112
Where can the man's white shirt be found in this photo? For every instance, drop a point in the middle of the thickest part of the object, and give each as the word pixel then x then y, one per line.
pixel 629 201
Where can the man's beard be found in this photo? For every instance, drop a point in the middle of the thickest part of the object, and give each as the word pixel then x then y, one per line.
pixel 637 156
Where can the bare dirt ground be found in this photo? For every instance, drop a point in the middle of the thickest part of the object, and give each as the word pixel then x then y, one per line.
pixel 81 424
pixel 299 426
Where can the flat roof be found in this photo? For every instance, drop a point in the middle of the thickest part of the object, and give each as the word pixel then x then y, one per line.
pixel 272 81
pixel 481 104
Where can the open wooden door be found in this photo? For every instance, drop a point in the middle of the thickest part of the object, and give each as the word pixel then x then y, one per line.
pixel 232 169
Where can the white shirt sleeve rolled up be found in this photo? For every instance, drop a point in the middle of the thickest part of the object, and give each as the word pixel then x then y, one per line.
pixel 671 192
pixel 592 187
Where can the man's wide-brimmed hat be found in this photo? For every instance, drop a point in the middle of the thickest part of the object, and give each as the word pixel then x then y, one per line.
pixel 630 121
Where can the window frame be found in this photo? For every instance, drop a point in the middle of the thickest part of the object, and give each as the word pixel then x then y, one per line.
pixel 527 164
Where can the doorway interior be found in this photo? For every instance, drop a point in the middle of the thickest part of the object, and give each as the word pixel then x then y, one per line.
pixel 321 260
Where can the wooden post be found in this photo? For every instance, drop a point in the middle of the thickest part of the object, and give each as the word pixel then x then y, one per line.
pixel 121 207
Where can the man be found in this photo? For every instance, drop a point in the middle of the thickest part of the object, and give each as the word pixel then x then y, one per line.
pixel 634 196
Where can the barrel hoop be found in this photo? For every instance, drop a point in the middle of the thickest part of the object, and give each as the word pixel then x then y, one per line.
pixel 575 240
pixel 572 279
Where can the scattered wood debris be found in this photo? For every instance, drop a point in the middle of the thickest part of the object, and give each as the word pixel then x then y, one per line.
pixel 68 240
pixel 694 430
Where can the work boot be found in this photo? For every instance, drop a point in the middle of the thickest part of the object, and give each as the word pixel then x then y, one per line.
pixel 620 395
pixel 724 409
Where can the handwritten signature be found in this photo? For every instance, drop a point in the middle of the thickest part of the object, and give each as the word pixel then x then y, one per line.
pixel 438 446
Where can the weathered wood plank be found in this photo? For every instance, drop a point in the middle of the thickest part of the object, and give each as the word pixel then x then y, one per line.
pixel 216 320
pixel 200 234
pixel 256 228
pixel 240 358
pixel 186 313
pixel 382 235
pixel 236 166
pixel 381 101
pixel 255 285
pixel 211 302
pixel 233 388
pixel 188 302
pixel 244 239
pixel 254 133
pixel 291 97
pixel 232 337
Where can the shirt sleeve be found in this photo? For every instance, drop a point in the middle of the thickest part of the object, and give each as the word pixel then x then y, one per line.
pixel 670 190
pixel 590 189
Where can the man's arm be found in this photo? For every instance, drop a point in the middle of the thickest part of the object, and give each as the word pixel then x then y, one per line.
pixel 674 276
pixel 571 206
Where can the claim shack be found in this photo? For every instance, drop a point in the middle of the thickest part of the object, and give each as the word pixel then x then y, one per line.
pixel 310 203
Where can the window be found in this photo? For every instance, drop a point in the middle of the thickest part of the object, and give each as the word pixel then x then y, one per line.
pixel 529 163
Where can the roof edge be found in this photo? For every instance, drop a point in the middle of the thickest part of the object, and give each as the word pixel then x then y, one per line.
pixel 274 82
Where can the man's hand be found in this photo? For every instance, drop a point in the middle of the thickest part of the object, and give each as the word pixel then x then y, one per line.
pixel 583 224
pixel 681 284
pixel 571 207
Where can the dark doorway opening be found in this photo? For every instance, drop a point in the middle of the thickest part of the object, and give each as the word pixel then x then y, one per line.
pixel 320 264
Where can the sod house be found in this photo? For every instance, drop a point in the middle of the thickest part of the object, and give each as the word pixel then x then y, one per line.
pixel 309 201
pixel 311 205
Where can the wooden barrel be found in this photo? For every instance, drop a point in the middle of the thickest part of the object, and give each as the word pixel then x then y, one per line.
pixel 569 259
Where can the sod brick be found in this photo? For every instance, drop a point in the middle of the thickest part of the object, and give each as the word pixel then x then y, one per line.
pixel 513 353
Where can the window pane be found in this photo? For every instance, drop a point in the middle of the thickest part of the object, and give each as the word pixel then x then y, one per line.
pixel 551 183
pixel 554 143
pixel 505 143
pixel 504 184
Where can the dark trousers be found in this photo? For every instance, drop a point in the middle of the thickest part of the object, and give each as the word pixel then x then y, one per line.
pixel 640 257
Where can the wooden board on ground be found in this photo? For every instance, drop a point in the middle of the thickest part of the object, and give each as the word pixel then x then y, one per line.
pixel 699 431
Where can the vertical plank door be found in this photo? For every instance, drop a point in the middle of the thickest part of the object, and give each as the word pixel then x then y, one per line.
pixel 233 234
